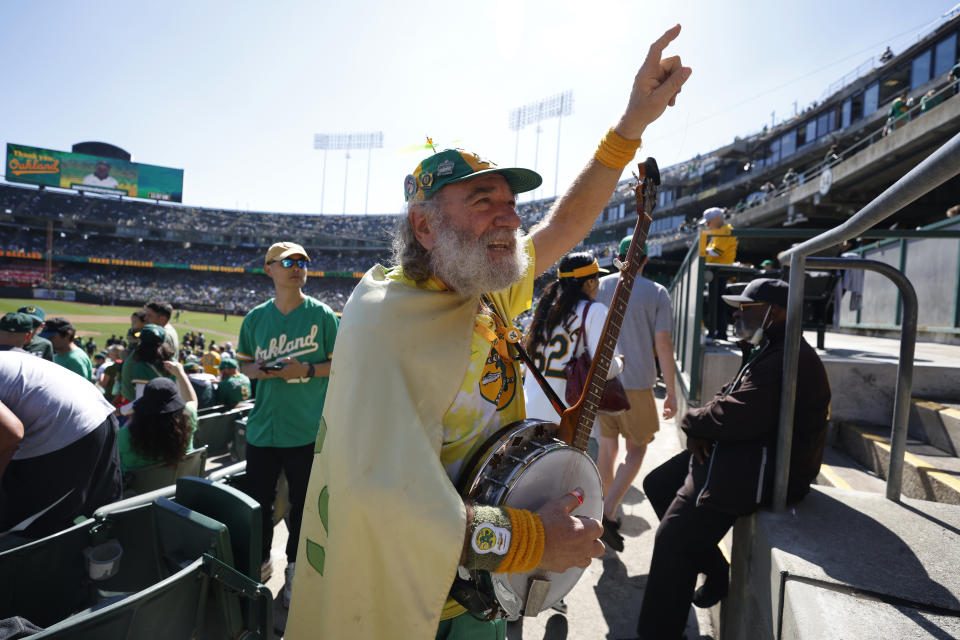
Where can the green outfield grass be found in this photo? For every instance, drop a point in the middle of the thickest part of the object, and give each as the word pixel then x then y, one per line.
pixel 101 321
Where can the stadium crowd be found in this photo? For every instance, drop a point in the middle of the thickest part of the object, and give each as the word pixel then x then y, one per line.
pixel 234 293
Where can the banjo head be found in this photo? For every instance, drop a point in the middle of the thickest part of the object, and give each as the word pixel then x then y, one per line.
pixel 525 468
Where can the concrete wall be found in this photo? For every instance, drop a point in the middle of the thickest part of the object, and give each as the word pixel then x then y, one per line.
pixel 932 265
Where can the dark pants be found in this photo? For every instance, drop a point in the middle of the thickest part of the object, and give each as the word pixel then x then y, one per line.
pixel 87 472
pixel 685 545
pixel 263 470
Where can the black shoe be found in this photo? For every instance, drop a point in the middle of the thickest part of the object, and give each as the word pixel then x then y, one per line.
pixel 713 590
pixel 611 537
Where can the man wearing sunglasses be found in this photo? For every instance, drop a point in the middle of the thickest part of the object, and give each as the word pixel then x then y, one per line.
pixel 286 344
pixel 728 468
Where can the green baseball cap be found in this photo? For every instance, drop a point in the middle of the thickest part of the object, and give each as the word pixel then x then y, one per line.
pixel 151 333
pixel 454 165
pixel 625 246
pixel 39 315
pixel 228 363
pixel 191 367
pixel 16 322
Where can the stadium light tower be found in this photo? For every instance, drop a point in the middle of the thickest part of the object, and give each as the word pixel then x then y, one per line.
pixel 556 106
pixel 347 142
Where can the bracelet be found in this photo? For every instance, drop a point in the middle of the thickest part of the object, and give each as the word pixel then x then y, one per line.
pixel 615 151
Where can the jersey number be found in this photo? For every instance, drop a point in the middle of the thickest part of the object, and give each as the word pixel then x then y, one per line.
pixel 555 351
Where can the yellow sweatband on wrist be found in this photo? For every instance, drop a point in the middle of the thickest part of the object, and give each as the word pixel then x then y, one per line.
pixel 526 548
pixel 615 151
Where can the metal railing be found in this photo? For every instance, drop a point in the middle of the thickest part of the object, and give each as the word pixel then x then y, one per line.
pixel 686 295
pixel 936 169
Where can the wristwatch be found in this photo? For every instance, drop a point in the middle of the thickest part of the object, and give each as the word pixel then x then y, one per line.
pixel 309 369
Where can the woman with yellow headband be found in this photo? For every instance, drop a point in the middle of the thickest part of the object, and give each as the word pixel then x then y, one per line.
pixel 557 322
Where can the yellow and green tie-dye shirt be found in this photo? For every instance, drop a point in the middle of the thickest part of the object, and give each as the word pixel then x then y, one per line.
pixel 491 395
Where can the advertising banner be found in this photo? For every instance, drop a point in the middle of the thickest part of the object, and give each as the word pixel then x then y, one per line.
pixel 34 165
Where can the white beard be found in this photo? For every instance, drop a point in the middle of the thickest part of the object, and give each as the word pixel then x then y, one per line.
pixel 464 264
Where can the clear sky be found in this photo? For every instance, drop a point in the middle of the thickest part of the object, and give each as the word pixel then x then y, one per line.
pixel 232 92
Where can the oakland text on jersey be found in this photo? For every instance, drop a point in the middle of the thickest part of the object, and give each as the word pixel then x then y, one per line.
pixel 282 347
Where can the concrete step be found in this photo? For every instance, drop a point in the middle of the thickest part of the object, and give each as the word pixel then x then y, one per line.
pixel 928 472
pixel 936 423
pixel 843 472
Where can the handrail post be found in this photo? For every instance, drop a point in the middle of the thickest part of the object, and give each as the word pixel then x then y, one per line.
pixel 788 389
pixel 908 343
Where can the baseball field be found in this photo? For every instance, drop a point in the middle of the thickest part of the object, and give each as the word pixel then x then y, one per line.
pixel 101 321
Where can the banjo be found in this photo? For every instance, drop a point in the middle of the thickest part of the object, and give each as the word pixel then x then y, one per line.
pixel 527 462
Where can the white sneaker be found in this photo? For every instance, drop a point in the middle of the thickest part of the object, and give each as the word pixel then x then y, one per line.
pixel 288 582
pixel 266 570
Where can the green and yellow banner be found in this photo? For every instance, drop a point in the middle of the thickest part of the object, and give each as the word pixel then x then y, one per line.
pixel 34 165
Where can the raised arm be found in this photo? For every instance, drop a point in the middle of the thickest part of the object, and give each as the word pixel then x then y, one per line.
pixel 656 86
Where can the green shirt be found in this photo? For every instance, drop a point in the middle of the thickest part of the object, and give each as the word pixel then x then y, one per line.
pixel 132 460
pixel 233 390
pixel 287 412
pixel 40 347
pixel 77 361
pixel 127 389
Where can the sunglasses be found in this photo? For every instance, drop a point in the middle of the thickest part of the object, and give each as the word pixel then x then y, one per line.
pixel 287 263
pixel 743 306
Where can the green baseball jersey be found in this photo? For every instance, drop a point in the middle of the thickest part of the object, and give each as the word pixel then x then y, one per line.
pixel 40 347
pixel 127 389
pixel 77 361
pixel 130 459
pixel 233 390
pixel 287 412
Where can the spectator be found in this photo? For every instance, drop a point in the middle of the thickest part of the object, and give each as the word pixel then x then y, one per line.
pixel 565 313
pixel 897 114
pixel 228 352
pixel 721 249
pixel 286 344
pixel 16 329
pixel 789 178
pixel 149 359
pixel 90 346
pixel 736 434
pixel 234 387
pixel 109 379
pixel 158 312
pixel 204 385
pixel 164 421
pixel 61 333
pixel 644 338
pixel 211 360
pixel 886 56
pixel 63 464
pixel 929 101
pixel 37 346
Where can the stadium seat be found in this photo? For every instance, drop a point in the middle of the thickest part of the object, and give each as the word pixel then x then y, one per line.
pixel 160 475
pixel 232 507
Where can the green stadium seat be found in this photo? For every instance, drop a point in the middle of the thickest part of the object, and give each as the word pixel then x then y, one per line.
pixel 156 476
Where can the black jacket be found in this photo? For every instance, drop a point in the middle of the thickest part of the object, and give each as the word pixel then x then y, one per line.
pixel 742 422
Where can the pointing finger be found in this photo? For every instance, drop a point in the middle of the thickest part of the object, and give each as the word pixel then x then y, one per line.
pixel 656 49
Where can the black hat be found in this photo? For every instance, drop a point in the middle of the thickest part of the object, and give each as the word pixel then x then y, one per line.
pixel 56 325
pixel 762 290
pixel 160 396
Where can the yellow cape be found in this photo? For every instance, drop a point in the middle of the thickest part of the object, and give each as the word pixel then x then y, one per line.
pixel 383 526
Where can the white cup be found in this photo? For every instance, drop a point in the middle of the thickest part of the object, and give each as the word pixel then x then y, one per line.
pixel 103 560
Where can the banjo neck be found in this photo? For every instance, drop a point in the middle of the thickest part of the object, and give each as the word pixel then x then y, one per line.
pixel 577 421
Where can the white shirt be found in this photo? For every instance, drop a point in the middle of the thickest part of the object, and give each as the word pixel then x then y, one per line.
pixel 557 352
pixel 109 182
pixel 55 410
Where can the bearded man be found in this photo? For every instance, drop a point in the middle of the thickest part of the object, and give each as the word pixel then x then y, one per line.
pixel 423 376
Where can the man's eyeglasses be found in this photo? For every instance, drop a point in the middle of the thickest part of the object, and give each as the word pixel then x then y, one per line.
pixel 743 306
pixel 287 263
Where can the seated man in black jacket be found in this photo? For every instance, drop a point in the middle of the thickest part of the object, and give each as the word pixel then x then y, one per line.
pixel 728 468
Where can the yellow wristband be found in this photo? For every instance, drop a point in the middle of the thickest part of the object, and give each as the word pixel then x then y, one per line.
pixel 526 548
pixel 615 151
